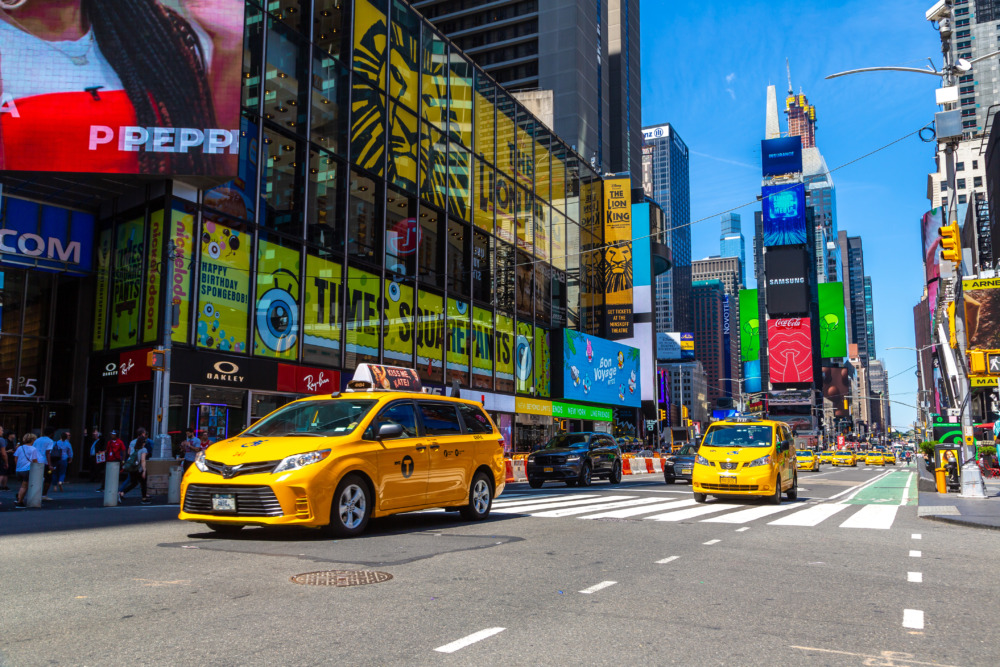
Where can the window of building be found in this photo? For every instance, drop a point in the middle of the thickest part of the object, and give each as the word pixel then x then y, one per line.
pixel 964 90
pixel 964 45
pixel 430 253
pixel 975 164
pixel 962 199
pixel 482 274
pixel 944 185
pixel 401 233
pixel 281 181
pixel 959 166
pixel 364 219
pixel 325 213
pixel 977 181
pixel 966 101
pixel 960 184
pixel 968 123
pixel 459 241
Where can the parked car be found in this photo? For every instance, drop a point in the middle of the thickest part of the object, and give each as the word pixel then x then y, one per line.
pixel 679 464
pixel 576 459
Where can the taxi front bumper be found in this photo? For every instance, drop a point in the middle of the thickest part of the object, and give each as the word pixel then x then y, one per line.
pixel 759 480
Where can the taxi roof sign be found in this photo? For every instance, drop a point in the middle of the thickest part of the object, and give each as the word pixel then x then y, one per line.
pixel 375 377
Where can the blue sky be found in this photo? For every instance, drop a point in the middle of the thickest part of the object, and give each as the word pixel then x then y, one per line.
pixel 705 69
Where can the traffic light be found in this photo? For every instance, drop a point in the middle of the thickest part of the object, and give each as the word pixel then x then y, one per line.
pixel 663 415
pixel 951 245
pixel 156 360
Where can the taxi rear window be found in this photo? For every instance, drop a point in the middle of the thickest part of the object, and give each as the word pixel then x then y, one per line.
pixel 313 419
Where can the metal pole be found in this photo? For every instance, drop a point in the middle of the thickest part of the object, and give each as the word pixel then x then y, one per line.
pixel 162 428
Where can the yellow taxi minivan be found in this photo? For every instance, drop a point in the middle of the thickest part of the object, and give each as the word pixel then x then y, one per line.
pixel 748 457
pixel 875 458
pixel 844 457
pixel 806 459
pixel 826 456
pixel 334 461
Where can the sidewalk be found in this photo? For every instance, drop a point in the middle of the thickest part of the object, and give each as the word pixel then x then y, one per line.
pixel 950 508
pixel 77 495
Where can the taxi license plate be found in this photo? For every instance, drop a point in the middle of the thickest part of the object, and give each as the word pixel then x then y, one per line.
pixel 727 479
pixel 686 471
pixel 224 502
pixel 547 469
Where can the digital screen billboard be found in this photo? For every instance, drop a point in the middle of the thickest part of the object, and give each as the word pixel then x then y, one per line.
pixel 781 156
pixel 138 87
pixel 832 321
pixel 616 265
pixel 784 214
pixel 599 371
pixel 982 313
pixel 789 350
pixel 786 280
pixel 674 346
pixel 749 326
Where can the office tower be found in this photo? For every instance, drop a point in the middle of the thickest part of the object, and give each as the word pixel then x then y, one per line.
pixel 562 59
pixel 732 243
pixel 728 271
pixel 869 319
pixel 708 300
pixel 976 26
pixel 857 297
pixel 671 189
pixel 878 381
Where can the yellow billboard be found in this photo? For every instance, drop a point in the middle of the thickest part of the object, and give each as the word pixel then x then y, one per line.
pixel 616 264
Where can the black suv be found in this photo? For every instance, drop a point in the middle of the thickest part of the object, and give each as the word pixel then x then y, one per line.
pixel 575 458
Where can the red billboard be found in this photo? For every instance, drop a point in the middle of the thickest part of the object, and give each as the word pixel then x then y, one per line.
pixel 132 366
pixel 136 87
pixel 307 380
pixel 789 350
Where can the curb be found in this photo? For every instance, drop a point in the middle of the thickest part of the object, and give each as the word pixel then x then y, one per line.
pixel 967 523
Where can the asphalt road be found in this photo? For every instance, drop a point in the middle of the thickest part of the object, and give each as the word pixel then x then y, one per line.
pixel 602 575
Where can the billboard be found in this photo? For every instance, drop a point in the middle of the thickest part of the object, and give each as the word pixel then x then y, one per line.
pixel 595 370
pixel 832 319
pixel 152 88
pixel 786 279
pixel 982 313
pixel 784 214
pixel 837 389
pixel 674 346
pixel 789 350
pixel 780 156
pixel 749 326
pixel 616 265
pixel 46 237
pixel 931 221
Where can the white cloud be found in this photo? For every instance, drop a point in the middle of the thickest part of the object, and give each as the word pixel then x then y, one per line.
pixel 730 77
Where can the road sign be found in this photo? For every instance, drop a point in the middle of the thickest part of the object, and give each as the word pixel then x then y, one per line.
pixel 982 381
pixel 650 424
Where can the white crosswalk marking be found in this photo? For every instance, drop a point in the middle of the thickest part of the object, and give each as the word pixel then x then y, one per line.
pixel 542 499
pixel 691 513
pixel 636 511
pixel 811 516
pixel 748 515
pixel 872 516
pixel 520 509
pixel 570 511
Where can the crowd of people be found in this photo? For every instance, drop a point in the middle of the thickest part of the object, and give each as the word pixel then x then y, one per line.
pixel 56 455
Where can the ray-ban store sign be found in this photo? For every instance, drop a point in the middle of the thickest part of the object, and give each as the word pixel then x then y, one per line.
pixel 45 237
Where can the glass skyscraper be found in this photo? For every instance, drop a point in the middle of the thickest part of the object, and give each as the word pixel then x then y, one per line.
pixel 732 243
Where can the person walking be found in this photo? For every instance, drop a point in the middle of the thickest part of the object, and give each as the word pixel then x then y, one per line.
pixel 44 446
pixel 5 459
pixel 97 456
pixel 24 456
pixel 65 458
pixel 115 451
pixel 135 466
pixel 139 433
pixel 190 448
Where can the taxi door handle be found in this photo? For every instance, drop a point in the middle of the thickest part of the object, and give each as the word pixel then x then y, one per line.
pixel 435 447
pixel 421 448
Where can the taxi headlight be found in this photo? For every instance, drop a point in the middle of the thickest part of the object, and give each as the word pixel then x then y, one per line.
pixel 297 461
pixel 199 462
pixel 701 460
pixel 762 461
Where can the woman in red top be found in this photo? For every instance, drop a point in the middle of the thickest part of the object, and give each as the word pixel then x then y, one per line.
pixel 70 66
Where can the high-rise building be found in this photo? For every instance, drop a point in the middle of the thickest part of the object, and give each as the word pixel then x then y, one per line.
pixel 879 383
pixel 708 297
pixel 689 388
pixel 671 189
pixel 573 63
pixel 732 243
pixel 857 297
pixel 801 118
pixel 975 26
pixel 728 271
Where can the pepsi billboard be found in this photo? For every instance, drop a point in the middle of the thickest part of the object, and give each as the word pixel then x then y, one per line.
pixel 781 156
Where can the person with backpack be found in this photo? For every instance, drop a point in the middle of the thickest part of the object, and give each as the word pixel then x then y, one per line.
pixel 44 446
pixel 97 455
pixel 24 456
pixel 135 466
pixel 65 453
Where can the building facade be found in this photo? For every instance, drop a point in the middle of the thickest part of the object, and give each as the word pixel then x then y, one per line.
pixel 689 389
pixel 709 298
pixel 728 271
pixel 671 189
pixel 732 243
pixel 857 299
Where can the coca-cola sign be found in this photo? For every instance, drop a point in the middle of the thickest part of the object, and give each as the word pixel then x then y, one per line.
pixel 789 350
pixel 788 323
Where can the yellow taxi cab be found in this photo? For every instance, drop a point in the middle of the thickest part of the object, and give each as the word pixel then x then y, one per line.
pixel 844 457
pixel 806 459
pixel 826 456
pixel 335 461
pixel 875 458
pixel 890 458
pixel 746 456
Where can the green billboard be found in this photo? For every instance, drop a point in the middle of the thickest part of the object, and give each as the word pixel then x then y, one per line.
pixel 832 321
pixel 749 326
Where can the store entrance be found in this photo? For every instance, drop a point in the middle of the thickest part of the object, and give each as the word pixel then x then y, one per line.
pixel 220 412
pixel 20 420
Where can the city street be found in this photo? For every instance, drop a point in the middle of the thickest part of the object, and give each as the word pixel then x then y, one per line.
pixel 631 574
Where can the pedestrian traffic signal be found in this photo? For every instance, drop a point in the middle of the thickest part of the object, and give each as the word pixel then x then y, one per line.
pixel 951 245
pixel 156 360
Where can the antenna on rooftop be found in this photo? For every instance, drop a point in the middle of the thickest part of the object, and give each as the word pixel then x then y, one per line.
pixel 789 70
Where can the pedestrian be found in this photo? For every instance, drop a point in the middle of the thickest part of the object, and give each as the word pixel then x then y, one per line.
pixel 66 457
pixel 5 458
pixel 115 452
pixel 135 466
pixel 97 456
pixel 205 442
pixel 44 446
pixel 190 447
pixel 25 455
pixel 139 433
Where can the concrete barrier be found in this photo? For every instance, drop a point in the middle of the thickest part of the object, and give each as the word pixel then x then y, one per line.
pixel 36 481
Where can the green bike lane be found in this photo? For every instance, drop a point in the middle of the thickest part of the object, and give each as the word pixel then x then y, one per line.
pixel 898 487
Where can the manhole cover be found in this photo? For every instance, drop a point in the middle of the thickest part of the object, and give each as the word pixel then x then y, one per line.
pixel 341 578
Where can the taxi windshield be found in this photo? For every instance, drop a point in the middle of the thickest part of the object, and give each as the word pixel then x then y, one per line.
pixel 686 450
pixel 738 436
pixel 804 452
pixel 312 419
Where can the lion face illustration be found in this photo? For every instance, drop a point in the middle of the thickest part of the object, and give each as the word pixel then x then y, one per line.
pixel 617 267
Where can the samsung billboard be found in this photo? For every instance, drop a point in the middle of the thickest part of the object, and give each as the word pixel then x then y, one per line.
pixel 786 281
pixel 136 87
pixel 781 156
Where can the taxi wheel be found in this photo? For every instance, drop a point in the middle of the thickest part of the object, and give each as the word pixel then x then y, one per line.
pixel 225 528
pixel 793 493
pixel 616 473
pixel 776 498
pixel 480 499
pixel 700 497
pixel 351 508
pixel 585 475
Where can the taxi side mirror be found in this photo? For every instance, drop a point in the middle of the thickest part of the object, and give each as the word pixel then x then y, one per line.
pixel 389 430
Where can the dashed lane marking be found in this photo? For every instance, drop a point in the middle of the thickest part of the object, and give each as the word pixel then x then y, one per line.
pixel 598 587
pixel 471 639
pixel 913 619
pixel 915 577
pixel 669 559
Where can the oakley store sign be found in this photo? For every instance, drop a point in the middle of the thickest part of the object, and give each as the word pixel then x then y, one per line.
pixel 45 237
pixel 242 372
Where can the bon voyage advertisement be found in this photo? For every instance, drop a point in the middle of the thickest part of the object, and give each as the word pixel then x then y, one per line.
pixel 600 371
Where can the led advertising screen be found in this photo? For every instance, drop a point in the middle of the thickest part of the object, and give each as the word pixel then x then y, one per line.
pixel 982 313
pixel 930 223
pixel 675 346
pixel 599 371
pixel 781 156
pixel 137 87
pixel 789 350
pixel 832 321
pixel 784 214
pixel 749 326
pixel 786 279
